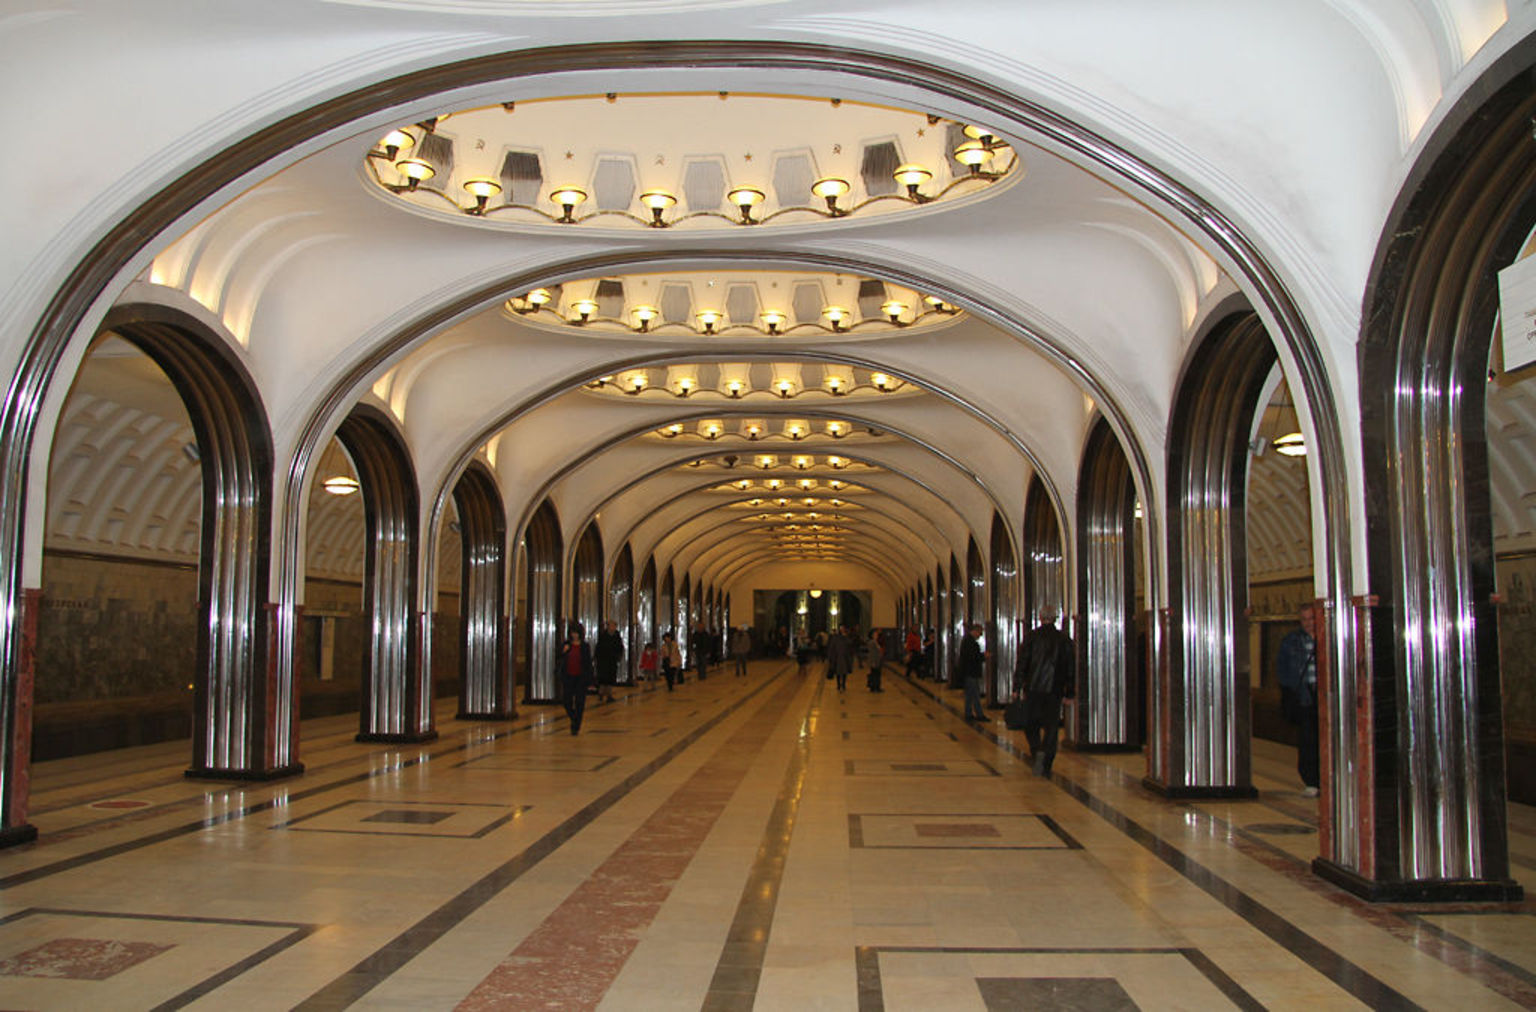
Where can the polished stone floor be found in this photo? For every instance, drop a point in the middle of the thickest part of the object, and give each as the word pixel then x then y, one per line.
pixel 756 842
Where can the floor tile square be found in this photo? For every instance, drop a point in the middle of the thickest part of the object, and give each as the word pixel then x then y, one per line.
pixel 446 819
pixel 79 958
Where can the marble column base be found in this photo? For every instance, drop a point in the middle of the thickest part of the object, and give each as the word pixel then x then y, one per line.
pixel 401 738
pixel 214 773
pixel 13 836
pixel 1218 791
pixel 1420 890
pixel 470 715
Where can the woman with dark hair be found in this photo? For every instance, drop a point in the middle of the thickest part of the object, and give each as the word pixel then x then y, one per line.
pixel 575 667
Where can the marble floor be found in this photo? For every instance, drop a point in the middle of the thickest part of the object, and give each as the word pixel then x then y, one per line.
pixel 759 842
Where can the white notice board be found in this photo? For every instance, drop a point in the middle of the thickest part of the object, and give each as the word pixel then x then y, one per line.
pixel 1517 312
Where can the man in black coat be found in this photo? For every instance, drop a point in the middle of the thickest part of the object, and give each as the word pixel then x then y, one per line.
pixel 1047 672
pixel 606 656
pixel 840 656
pixel 972 668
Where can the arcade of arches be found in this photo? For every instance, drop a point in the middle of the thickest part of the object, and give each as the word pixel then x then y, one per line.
pixel 338 394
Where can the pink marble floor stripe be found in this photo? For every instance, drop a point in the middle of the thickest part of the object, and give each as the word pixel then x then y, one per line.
pixel 570 960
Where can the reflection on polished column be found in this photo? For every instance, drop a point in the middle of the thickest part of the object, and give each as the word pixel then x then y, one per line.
pixel 485 688
pixel 543 549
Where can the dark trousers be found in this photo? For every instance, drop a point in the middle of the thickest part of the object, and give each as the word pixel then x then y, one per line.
pixel 670 673
pixel 841 670
pixel 1042 721
pixel 575 700
pixel 973 709
pixel 1307 762
pixel 703 667
pixel 741 664
pixel 874 678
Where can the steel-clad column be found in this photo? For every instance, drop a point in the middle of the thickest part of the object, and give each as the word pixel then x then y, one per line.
pixel 541 640
pixel 1209 748
pixel 1003 633
pixel 1107 696
pixel 397 690
pixel 485 681
pixel 621 608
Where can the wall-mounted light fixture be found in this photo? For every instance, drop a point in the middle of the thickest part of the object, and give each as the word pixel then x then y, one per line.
pixel 754 431
pixel 733 388
pixel 395 142
pixel 712 431
pixel 837 430
pixel 686 385
pixel 773 321
pixel 795 431
pixel 837 317
pixel 881 381
pixel 637 383
pixel 785 388
pixel 708 319
pixel 584 308
pixel 643 316
pixel 675 429
pixel 973 154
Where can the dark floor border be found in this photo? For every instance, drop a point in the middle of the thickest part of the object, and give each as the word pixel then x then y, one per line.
pixel 872 989
pixel 297 933
pixel 1355 980
pixel 377 967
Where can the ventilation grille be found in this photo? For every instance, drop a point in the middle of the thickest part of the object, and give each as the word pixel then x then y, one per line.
pixel 704 186
pixel 792 179
pixel 807 303
pixel 676 303
pixel 877 168
pixel 613 184
pixel 522 178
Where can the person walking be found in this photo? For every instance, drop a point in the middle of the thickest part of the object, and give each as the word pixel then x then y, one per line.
pixel 671 659
pixel 699 650
pixel 741 646
pixel 606 656
pixel 972 666
pixel 1296 667
pixel 575 667
pixel 1047 669
pixel 802 652
pixel 840 656
pixel 913 646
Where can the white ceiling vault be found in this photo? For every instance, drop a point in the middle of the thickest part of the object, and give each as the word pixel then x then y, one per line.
pixel 1031 296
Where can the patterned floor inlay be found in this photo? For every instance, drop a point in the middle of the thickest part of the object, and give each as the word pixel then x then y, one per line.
pixel 1057 980
pixel 450 820
pixel 963 831
pixel 906 768
pixel 95 959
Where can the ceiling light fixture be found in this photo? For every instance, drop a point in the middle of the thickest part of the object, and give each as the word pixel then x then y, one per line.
pixel 685 385
pixel 637 383
pixel 835 316
pixel 395 142
pixel 785 388
pixel 415 171
pixel 584 309
pixel 643 316
pixel 658 201
pixel 795 431
pixel 893 310
pixel 974 154
pixel 675 429
pixel 568 197
pixel 341 484
pixel 830 188
pixel 836 430
pixel 482 190
pixel 881 381
pixel 912 176
pixel 754 430
pixel 746 198
pixel 1291 445
pixel 707 319
pixel 734 388
pixel 712 430
pixel 773 321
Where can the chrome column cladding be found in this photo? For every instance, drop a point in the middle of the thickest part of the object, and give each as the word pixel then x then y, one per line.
pixel 621 608
pixel 957 620
pixel 682 623
pixel 645 614
pixel 1005 608
pixel 1044 569
pixel 1432 313
pixel 541 640
pixel 1214 405
pixel 1108 699
pixel 235 698
pixel 587 575
pixel 485 688
pixel 393 679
